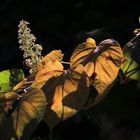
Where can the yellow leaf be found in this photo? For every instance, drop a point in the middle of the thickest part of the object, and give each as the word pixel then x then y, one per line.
pixel 101 63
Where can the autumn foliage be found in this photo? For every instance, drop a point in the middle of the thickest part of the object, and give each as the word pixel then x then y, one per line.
pixel 52 93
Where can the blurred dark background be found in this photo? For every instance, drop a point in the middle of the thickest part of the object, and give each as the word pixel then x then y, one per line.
pixel 62 25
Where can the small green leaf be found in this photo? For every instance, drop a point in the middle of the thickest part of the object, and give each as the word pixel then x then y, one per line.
pixel 5 81
pixel 9 78
pixel 131 69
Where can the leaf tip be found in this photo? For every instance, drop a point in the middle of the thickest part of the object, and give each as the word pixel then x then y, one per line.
pixel 91 41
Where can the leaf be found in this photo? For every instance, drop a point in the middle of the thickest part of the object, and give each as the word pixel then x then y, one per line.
pixel 16 75
pixel 82 51
pixel 66 94
pixel 101 63
pixel 50 66
pixel 23 115
pixel 53 69
pixel 9 78
pixel 131 69
pixel 5 100
pixel 9 96
pixel 53 56
pixel 5 81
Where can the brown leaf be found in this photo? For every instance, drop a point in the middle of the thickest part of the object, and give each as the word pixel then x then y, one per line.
pixel 23 115
pixel 66 95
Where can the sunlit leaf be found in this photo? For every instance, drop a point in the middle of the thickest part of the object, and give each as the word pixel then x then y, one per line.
pixel 66 94
pixel 53 69
pixel 102 63
pixel 50 67
pixel 22 114
pixel 54 56
pixel 5 81
pixel 82 52
pixel 49 64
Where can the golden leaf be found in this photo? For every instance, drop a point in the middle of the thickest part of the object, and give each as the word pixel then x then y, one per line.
pixel 66 95
pixel 50 67
pixel 82 51
pixel 53 69
pixel 52 58
pixel 101 63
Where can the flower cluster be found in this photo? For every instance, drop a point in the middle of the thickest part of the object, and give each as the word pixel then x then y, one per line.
pixel 32 51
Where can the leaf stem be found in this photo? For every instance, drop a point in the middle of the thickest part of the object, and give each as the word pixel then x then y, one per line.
pixel 67 63
pixel 127 44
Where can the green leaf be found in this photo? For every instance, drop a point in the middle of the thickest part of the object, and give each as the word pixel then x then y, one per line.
pixel 5 81
pixel 9 78
pixel 131 69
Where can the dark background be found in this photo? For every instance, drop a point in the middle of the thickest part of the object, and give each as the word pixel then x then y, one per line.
pixel 62 24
